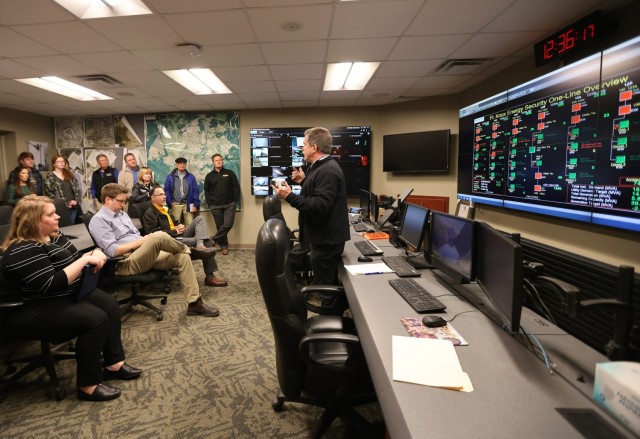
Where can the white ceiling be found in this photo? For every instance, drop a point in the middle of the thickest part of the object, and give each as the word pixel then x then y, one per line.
pixel 246 44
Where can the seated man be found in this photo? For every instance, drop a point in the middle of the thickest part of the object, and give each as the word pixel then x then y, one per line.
pixel 157 217
pixel 115 234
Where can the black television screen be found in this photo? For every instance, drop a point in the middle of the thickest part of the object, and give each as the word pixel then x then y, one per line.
pixel 276 151
pixel 373 208
pixel 413 225
pixel 566 144
pixel 453 246
pixel 365 203
pixel 426 151
pixel 499 274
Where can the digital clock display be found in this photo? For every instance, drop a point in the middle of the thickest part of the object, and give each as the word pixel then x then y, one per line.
pixel 580 35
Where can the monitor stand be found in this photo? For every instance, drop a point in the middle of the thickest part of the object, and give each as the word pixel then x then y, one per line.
pixel 418 262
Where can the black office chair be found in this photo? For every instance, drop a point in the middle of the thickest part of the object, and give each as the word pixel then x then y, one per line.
pixel 63 212
pixel 319 360
pixel 109 278
pixel 299 255
pixel 50 352
pixel 137 210
pixel 5 214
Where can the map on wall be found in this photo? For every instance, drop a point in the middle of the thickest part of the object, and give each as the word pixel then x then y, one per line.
pixel 196 137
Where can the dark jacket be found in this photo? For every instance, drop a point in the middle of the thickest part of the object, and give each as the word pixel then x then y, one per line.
pixel 98 180
pixel 140 192
pixel 322 203
pixel 153 221
pixel 221 188
pixel 193 196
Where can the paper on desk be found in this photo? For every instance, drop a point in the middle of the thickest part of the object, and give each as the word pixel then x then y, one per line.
pixel 429 362
pixel 369 268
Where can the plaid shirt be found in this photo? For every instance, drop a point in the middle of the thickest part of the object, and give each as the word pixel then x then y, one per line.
pixel 53 187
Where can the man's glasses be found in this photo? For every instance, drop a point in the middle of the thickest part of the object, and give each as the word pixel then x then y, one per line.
pixel 121 201
pixel 159 195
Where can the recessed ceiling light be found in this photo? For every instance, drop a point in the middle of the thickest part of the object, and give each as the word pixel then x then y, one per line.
pixel 291 26
pixel 104 8
pixel 349 76
pixel 198 81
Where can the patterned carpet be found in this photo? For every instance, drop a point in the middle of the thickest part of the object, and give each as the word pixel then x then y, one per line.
pixel 203 377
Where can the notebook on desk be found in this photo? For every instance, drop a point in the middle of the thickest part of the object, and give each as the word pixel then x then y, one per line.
pixel 88 283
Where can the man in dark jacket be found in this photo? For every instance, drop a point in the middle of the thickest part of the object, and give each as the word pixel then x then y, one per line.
pixel 105 174
pixel 182 192
pixel 222 192
pixel 195 235
pixel 322 204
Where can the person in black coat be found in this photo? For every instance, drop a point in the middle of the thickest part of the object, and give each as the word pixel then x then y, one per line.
pixel 141 190
pixel 322 205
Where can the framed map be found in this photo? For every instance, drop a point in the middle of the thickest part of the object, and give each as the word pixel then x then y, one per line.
pixel 196 137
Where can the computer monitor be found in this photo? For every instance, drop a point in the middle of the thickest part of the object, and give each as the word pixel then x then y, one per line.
pixel 373 208
pixel 364 203
pixel 499 274
pixel 414 223
pixel 452 246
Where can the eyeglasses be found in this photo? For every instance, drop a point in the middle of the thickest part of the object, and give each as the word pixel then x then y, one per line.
pixel 159 195
pixel 121 201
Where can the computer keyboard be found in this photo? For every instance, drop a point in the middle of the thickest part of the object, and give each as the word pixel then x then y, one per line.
pixel 362 227
pixel 400 266
pixel 420 299
pixel 368 248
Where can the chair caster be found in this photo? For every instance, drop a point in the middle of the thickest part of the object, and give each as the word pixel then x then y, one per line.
pixel 159 317
pixel 58 393
pixel 166 289
pixel 164 301
pixel 277 406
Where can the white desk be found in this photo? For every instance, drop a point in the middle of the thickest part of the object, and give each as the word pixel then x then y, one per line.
pixel 515 395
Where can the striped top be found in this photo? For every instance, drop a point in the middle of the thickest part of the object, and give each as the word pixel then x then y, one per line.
pixel 38 268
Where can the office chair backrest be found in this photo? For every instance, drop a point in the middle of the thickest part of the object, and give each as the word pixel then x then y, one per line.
pixel 272 208
pixel 63 212
pixel 5 214
pixel 137 210
pixel 285 305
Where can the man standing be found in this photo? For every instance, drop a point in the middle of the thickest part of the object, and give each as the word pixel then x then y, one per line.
pixel 105 174
pixel 129 175
pixel 26 159
pixel 322 204
pixel 182 192
pixel 195 235
pixel 222 192
pixel 115 234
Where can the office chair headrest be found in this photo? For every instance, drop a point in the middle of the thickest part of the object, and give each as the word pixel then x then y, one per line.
pixel 272 247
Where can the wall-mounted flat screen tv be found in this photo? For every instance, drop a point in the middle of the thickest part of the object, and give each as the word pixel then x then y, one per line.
pixel 275 151
pixel 426 151
pixel 566 144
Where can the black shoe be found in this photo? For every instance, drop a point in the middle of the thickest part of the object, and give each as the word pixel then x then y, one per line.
pixel 125 372
pixel 202 252
pixel 101 393
pixel 199 308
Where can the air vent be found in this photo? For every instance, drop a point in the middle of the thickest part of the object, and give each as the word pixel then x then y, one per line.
pixel 459 66
pixel 100 78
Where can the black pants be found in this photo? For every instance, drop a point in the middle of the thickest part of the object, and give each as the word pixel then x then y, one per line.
pixel 324 262
pixel 224 216
pixel 95 322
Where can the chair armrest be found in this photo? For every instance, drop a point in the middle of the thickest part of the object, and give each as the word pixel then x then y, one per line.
pixel 336 305
pixel 332 337
pixel 10 304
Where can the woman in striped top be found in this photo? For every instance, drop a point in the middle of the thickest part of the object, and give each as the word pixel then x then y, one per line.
pixel 46 268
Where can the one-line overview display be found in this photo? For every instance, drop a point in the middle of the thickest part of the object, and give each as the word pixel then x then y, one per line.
pixel 565 144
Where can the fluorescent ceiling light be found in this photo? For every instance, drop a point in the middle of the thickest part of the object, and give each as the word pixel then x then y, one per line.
pixel 104 8
pixel 65 88
pixel 349 76
pixel 198 81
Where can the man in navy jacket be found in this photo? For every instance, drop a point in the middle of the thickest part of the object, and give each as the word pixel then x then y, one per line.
pixel 181 188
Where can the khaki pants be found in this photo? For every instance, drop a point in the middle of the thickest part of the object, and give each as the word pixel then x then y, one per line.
pixel 161 252
pixel 180 212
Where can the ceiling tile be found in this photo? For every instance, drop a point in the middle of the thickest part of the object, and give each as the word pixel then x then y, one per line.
pixel 294 53
pixel 367 49
pixel 69 37
pixel 372 19
pixel 270 24
pixel 226 27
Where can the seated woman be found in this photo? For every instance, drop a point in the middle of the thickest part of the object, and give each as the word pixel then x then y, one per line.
pixel 61 183
pixel 47 268
pixel 140 191
pixel 20 186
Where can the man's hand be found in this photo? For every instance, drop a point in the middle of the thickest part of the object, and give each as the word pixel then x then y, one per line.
pixel 180 229
pixel 297 175
pixel 281 189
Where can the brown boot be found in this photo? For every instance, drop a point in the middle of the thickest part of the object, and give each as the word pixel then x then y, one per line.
pixel 199 308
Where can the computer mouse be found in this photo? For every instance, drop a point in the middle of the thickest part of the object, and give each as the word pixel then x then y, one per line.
pixel 364 259
pixel 431 321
